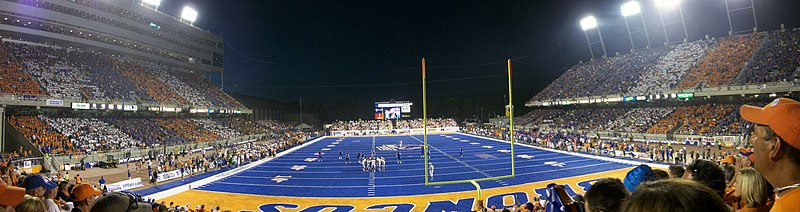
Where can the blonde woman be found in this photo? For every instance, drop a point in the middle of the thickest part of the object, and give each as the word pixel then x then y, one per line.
pixel 755 191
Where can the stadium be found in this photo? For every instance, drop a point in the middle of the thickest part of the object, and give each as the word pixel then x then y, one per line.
pixel 121 105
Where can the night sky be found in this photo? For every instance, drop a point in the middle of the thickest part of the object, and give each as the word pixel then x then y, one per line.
pixel 358 52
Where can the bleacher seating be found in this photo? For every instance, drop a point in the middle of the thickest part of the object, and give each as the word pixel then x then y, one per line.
pixel 671 68
pixel 61 73
pixel 91 134
pixel 722 62
pixel 12 78
pixel 776 60
pixel 602 76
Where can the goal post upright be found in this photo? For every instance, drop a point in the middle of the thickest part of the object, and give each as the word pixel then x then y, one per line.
pixel 425 135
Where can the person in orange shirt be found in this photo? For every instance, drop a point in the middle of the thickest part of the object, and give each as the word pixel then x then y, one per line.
pixel 775 138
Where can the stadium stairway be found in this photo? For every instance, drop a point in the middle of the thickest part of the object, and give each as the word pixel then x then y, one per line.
pixel 746 68
pixel 672 131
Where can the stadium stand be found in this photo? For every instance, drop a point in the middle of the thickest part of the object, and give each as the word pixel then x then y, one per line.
pixel 187 130
pixel 48 139
pixel 72 74
pixel 638 120
pixel 776 60
pixel 221 130
pixel 602 76
pixel 722 62
pixel 671 68
pixel 361 125
pixel 91 135
pixel 12 78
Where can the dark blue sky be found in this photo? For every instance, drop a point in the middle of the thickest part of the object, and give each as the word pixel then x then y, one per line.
pixel 367 51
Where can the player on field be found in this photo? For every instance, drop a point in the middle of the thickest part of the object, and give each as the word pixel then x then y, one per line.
pixel 461 152
pixel 398 157
pixel 430 170
pixel 347 158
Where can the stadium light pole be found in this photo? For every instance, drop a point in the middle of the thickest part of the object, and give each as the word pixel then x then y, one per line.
pixel 189 14
pixel 751 7
pixel 632 8
pixel 588 23
pixel 154 3
pixel 667 5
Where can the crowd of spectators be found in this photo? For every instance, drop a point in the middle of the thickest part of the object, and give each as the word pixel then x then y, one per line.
pixel 671 68
pixel 92 135
pixel 722 62
pixel 55 73
pixel 242 125
pixel 638 120
pixel 210 92
pixel 612 75
pixel 432 123
pixel 181 88
pixel 65 73
pixel 41 134
pixel 361 125
pixel 536 117
pixel 217 128
pixel 697 120
pixel 187 130
pixel 12 78
pixel 105 74
pixel 147 81
pixel 776 60
pixel 147 130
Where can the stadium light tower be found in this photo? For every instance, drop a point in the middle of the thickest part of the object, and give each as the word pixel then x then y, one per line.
pixel 664 5
pixel 591 23
pixel 154 3
pixel 749 8
pixel 632 8
pixel 189 14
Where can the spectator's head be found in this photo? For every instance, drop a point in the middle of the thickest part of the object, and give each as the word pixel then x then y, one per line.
pixel 36 185
pixel 83 196
pixel 729 171
pixel 659 174
pixel 674 195
pixel 31 204
pixel 676 171
pixel 753 188
pixel 775 139
pixel 707 173
pixel 606 194
pixel 636 176
pixel 728 160
pixel 118 201
pixel 10 196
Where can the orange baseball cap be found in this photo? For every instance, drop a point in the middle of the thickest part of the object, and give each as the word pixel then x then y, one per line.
pixel 83 191
pixel 782 115
pixel 728 160
pixel 10 195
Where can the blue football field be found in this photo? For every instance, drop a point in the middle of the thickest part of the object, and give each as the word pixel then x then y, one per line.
pixel 302 173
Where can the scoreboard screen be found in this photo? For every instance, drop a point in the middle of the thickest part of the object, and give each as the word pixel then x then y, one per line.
pixel 393 110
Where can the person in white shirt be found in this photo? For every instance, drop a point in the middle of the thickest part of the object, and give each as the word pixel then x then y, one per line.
pixel 430 170
pixel 51 205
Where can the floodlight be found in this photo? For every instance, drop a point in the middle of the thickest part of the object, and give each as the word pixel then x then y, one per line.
pixel 588 23
pixel 667 3
pixel 630 8
pixel 152 2
pixel 189 14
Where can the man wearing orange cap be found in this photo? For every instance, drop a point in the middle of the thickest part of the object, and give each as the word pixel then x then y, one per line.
pixel 776 148
pixel 10 196
pixel 83 196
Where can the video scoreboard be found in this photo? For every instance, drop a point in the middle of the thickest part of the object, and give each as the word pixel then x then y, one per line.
pixel 393 110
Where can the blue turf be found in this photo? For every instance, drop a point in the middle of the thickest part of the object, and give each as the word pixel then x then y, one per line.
pixel 333 178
